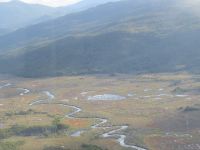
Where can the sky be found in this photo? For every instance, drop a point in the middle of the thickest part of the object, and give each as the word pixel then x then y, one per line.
pixel 52 3
pixel 57 3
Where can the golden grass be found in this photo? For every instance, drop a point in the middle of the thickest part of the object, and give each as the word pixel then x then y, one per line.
pixel 137 111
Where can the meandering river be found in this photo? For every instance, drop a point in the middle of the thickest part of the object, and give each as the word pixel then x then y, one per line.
pixel 114 131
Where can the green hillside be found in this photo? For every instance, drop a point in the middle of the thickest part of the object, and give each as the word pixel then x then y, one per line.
pixel 121 37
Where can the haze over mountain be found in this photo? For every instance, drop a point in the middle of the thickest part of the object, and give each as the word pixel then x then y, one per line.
pixel 51 3
pixel 119 37
pixel 17 14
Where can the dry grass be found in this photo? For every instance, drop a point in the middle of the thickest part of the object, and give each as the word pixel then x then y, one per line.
pixel 139 111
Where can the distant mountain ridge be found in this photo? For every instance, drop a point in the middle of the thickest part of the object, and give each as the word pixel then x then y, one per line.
pixel 16 14
pixel 155 16
pixel 144 36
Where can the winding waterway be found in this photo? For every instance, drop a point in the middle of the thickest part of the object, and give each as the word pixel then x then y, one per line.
pixel 5 85
pixel 113 133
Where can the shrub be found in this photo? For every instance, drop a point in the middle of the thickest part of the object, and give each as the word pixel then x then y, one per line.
pixel 190 109
pixel 10 145
pixel 90 147
pixel 54 148
pixel 17 130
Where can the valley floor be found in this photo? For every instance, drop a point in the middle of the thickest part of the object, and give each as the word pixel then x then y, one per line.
pixel 143 112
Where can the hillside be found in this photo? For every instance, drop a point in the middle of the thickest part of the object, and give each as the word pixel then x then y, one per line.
pixel 144 36
pixel 15 14
pixel 100 19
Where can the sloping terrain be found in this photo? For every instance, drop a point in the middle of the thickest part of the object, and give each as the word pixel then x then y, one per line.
pixel 121 37
pixel 16 14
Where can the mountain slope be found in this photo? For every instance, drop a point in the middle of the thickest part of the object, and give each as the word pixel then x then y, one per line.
pixel 115 52
pixel 4 31
pixel 85 4
pixel 17 14
pixel 144 36
pixel 135 16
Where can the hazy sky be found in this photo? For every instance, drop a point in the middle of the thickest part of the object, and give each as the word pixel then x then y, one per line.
pixel 54 3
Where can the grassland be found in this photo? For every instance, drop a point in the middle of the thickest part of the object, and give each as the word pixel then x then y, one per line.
pixel 161 110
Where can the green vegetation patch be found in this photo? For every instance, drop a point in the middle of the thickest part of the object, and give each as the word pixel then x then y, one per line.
pixel 83 147
pixel 10 145
pixel 179 90
pixel 91 147
pixel 23 113
pixel 189 109
pixel 54 148
pixel 17 130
